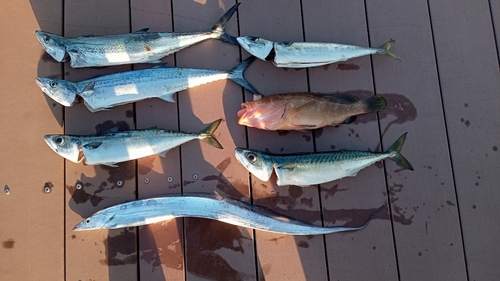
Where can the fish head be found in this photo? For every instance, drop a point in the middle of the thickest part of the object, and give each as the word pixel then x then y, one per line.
pixel 66 146
pixel 261 113
pixel 62 91
pixel 96 221
pixel 256 46
pixel 53 44
pixel 257 163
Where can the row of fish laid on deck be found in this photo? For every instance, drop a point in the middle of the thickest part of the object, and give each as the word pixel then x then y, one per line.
pixel 288 111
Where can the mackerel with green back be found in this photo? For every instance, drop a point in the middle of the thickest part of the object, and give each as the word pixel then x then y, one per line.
pixel 113 147
pixel 107 91
pixel 138 47
pixel 315 168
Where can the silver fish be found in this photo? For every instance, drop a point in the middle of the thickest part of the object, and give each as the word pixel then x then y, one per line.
pixel 307 54
pixel 315 168
pixel 106 91
pixel 148 211
pixel 138 47
pixel 114 147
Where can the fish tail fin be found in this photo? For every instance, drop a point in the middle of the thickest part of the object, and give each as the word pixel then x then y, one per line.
pixel 374 103
pixel 398 157
pixel 236 74
pixel 219 27
pixel 384 50
pixel 207 134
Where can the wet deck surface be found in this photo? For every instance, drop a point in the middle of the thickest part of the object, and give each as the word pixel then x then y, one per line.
pixel 442 220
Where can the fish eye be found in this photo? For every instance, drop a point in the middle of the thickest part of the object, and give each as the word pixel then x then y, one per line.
pixel 252 38
pixel 251 157
pixel 46 39
pixel 87 221
pixel 59 141
pixel 53 84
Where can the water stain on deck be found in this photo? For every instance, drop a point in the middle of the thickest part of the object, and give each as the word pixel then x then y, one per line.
pixel 211 236
pixel 8 244
pixel 123 243
pixel 124 172
pixel 331 191
pixel 160 244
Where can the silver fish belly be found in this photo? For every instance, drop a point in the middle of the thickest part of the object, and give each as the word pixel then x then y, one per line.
pixel 315 168
pixel 307 54
pixel 114 147
pixel 158 82
pixel 138 47
pixel 147 211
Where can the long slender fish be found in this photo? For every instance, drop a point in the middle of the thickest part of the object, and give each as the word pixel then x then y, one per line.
pixel 114 147
pixel 307 54
pixel 106 91
pixel 148 211
pixel 315 168
pixel 305 111
pixel 138 47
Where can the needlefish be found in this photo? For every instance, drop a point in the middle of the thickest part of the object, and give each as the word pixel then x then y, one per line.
pixel 106 91
pixel 308 54
pixel 306 169
pixel 137 47
pixel 113 147
pixel 305 111
pixel 148 211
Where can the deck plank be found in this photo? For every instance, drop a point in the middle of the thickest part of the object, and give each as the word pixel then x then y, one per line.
pixel 431 236
pixel 161 251
pixel 470 84
pixel 350 200
pixel 110 254
pixel 214 250
pixel 282 257
pixel 31 221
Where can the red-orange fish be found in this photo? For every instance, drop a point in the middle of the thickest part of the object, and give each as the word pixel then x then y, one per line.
pixel 305 111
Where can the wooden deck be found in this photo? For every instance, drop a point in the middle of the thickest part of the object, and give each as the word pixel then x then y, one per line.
pixel 442 222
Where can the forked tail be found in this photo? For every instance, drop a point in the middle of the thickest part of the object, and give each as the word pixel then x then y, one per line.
pixel 398 157
pixel 207 134
pixel 236 74
pixel 384 50
pixel 219 27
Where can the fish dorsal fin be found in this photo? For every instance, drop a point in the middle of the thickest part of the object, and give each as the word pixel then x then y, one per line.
pixel 92 145
pixel 343 97
pixel 286 43
pixel 289 167
pixel 257 97
pixel 89 88
pixel 349 120
pixel 144 30
pixel 111 130
pixel 161 65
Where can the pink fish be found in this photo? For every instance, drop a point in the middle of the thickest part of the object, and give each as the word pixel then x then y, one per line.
pixel 305 111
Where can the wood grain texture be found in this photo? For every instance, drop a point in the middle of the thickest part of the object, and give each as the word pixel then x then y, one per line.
pixel 430 238
pixel 470 88
pixel 351 200
pixel 214 250
pixel 31 220
pixel 111 254
pixel 282 257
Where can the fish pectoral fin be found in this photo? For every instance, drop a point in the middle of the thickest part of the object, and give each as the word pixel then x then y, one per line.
pixel 287 167
pixel 296 110
pixel 304 128
pixel 344 97
pixel 349 120
pixel 161 65
pixel 144 30
pixel 164 153
pixel 89 88
pixel 92 145
pixel 167 97
pixel 153 61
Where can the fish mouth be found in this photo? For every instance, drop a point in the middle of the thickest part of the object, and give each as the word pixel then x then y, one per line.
pixel 238 153
pixel 50 143
pixel 41 85
pixel 78 227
